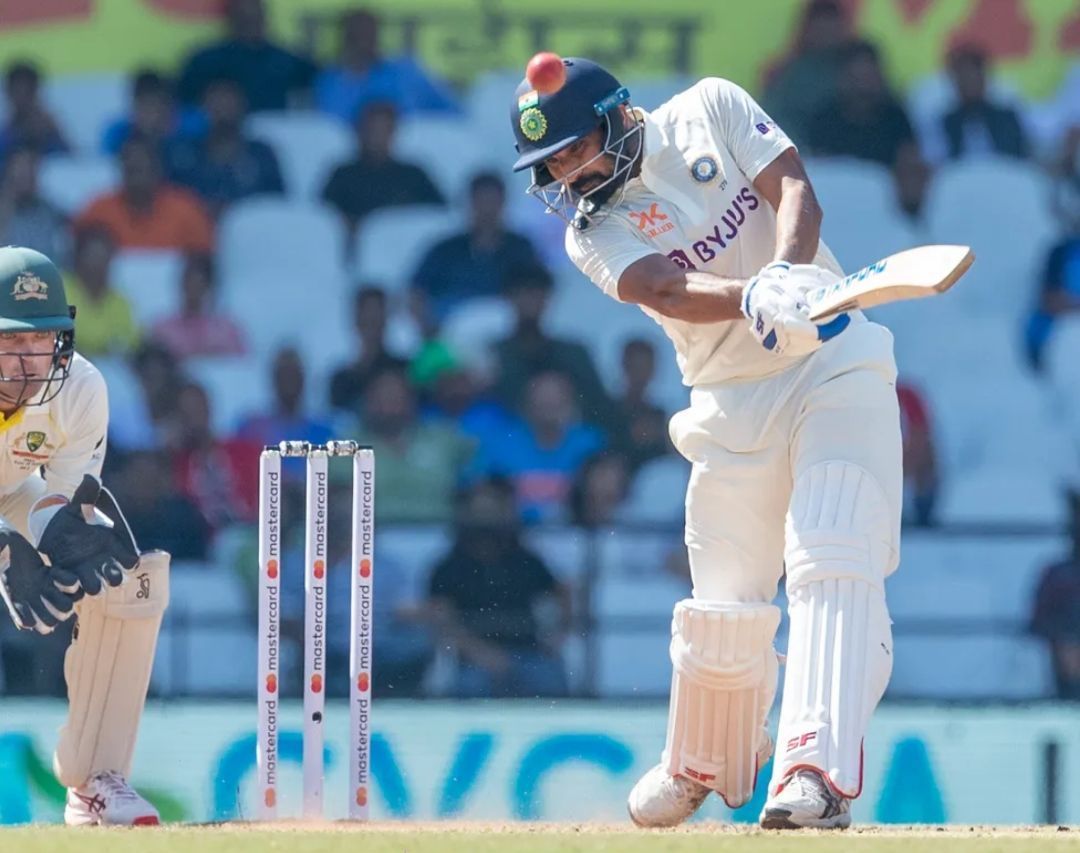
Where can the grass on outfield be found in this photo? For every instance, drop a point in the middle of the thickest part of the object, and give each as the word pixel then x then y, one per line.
pixel 514 837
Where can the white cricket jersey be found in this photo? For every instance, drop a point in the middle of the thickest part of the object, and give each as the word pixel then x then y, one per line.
pixel 65 437
pixel 694 201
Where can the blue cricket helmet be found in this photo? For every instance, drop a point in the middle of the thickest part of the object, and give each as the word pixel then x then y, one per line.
pixel 545 124
pixel 589 99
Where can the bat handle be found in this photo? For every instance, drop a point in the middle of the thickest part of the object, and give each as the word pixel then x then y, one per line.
pixel 834 327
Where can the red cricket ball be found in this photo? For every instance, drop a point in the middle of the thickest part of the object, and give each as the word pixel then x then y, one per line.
pixel 546 72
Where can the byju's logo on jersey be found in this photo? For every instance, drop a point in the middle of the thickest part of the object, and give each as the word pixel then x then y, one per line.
pixel 652 221
pixel 722 234
pixel 704 169
pixel 765 127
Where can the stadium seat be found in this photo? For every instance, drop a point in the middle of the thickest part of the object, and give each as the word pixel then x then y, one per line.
pixel 297 243
pixel 650 92
pixel 71 183
pixel 475 325
pixel 991 578
pixel 980 666
pixel 85 104
pixel 862 222
pixel 391 243
pixel 985 203
pixel 448 148
pixel 151 282
pixel 488 107
pixel 236 388
pixel 1002 495
pixel 1062 358
pixel 130 426
pixel 306 311
pixel 209 612
pixel 563 549
pixel 633 623
pixel 658 491
pixel 309 145
pixel 635 552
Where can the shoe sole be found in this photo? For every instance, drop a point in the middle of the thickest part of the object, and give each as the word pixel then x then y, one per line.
pixel 781 819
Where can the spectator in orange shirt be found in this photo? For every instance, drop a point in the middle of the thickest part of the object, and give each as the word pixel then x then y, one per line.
pixel 146 212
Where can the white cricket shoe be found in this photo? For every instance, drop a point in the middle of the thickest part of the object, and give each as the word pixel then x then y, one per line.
pixel 108 800
pixel 806 801
pixel 662 800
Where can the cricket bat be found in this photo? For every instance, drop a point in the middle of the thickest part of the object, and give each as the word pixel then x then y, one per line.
pixel 911 274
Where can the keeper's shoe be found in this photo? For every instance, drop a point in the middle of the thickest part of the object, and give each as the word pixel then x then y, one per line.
pixel 659 800
pixel 806 801
pixel 108 800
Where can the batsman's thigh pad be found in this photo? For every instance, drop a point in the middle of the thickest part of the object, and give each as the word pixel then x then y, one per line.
pixel 107 669
pixel 839 656
pixel 722 687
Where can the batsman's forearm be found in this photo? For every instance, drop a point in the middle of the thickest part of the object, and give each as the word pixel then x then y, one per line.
pixel 798 224
pixel 703 298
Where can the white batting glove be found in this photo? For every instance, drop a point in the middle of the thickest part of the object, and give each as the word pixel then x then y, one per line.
pixel 774 303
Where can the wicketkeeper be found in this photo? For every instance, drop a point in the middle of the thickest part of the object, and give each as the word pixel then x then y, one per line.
pixel 65 548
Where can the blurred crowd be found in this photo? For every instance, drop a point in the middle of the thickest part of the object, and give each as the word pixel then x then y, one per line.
pixel 529 435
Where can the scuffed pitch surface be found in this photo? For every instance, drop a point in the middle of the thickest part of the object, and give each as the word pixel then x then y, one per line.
pixel 463 837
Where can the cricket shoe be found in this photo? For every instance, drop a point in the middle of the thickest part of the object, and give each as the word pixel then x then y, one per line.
pixel 659 799
pixel 108 800
pixel 804 801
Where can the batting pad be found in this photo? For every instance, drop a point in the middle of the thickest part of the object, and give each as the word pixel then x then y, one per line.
pixel 839 655
pixel 107 668
pixel 722 686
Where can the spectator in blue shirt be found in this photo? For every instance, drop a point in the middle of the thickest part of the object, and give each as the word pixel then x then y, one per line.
pixel 474 262
pixel 1060 292
pixel 224 165
pixel 363 75
pixel 544 453
pixel 268 73
pixel 154 115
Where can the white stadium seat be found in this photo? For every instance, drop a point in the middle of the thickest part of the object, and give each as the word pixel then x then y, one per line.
pixel 1000 207
pixel 309 145
pixel 296 243
pixel 71 183
pixel 391 243
pixel 85 104
pixel 651 92
pixel 488 105
pixel 471 328
pixel 207 644
pixel 862 222
pixel 151 282
pixel 981 666
pixel 236 387
pixel 658 492
pixel 448 148
pixel 1002 495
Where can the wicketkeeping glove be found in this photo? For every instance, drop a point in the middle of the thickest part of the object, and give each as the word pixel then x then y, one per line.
pixel 96 547
pixel 38 597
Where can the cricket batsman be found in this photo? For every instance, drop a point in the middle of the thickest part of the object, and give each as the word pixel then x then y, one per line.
pixel 65 548
pixel 701 214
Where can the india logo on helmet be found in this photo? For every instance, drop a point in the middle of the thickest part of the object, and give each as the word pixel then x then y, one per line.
pixel 533 124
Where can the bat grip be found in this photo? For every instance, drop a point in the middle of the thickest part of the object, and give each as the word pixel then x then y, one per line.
pixel 834 327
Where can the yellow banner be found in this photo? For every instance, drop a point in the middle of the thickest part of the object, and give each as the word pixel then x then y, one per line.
pixel 1034 40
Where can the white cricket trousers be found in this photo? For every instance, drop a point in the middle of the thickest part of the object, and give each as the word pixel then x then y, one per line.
pixel 749 442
